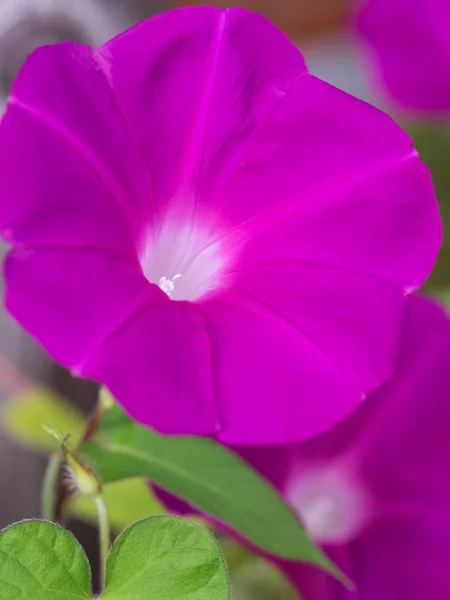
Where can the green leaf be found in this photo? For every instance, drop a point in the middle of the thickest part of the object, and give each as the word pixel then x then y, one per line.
pixel 442 294
pixel 128 501
pixel 166 558
pixel 41 561
pixel 210 477
pixel 24 417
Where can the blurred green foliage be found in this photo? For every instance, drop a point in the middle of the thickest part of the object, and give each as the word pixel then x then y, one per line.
pixel 432 141
pixel 24 419
pixel 254 578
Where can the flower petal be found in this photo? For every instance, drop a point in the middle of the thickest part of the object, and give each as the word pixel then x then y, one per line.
pixel 336 221
pixel 334 181
pixel 355 321
pixel 273 384
pixel 85 181
pixel 410 50
pixel 412 415
pixel 71 300
pixel 402 558
pixel 159 365
pixel 196 84
pixel 151 353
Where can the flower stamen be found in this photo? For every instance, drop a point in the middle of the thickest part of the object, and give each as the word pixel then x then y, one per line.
pixel 168 285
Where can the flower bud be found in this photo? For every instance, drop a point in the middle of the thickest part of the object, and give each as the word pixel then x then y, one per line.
pixel 82 478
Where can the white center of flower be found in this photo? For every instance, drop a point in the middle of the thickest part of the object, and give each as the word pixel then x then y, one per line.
pixel 331 503
pixel 168 285
pixel 184 259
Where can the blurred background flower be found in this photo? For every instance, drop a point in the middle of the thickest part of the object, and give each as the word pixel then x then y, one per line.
pixel 335 52
pixel 408 50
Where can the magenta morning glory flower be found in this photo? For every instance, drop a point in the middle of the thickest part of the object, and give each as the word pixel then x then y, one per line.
pixel 409 47
pixel 222 240
pixel 375 490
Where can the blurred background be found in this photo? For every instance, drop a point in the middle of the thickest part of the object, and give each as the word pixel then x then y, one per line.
pixel 320 28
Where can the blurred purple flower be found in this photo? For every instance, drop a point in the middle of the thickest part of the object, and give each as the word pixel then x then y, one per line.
pixel 193 158
pixel 375 491
pixel 409 48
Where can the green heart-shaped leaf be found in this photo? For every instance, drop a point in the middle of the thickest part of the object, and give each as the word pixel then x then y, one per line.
pixel 166 558
pixel 41 561
pixel 160 558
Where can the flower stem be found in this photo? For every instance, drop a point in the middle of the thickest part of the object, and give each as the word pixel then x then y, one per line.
pixel 93 423
pixel 50 487
pixel 104 536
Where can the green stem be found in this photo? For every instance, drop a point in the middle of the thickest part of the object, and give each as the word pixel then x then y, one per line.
pixel 104 536
pixel 50 487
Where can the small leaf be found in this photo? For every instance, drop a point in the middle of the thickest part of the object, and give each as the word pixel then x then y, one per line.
pixel 166 558
pixel 209 477
pixel 24 418
pixel 41 561
pixel 128 501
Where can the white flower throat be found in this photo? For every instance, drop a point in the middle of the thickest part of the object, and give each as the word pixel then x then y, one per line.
pixel 185 260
